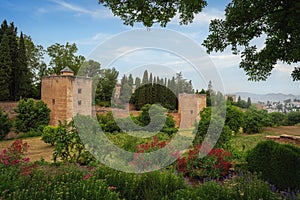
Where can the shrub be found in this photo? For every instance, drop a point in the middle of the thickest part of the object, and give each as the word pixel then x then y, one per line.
pixel 244 187
pixel 214 165
pixel 277 118
pixel 68 145
pixel 108 123
pixel 31 115
pixel 5 124
pixel 278 163
pixel 143 161
pixel 50 134
pixel 132 123
pixel 50 182
pixel 152 185
pixel 293 118
pixel 234 118
pixel 255 120
pixel 214 125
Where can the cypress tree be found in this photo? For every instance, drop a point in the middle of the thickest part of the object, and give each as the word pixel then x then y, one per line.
pixel 3 29
pixel 24 73
pixel 137 82
pixel 130 80
pixel 15 73
pixel 145 78
pixel 5 68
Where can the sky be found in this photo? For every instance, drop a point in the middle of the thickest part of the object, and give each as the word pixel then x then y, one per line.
pixel 95 30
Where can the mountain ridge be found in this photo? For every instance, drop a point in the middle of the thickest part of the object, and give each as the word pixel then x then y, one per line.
pixel 266 97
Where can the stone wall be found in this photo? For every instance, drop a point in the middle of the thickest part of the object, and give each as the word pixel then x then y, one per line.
pixel 189 107
pixel 288 139
pixel 8 107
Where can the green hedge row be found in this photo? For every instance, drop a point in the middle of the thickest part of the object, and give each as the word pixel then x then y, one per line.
pixel 278 163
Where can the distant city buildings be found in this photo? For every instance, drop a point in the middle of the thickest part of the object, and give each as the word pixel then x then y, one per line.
pixel 285 106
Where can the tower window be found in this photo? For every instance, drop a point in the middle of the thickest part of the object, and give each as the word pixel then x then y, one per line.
pixel 192 111
pixel 53 101
pixel 79 102
pixel 79 91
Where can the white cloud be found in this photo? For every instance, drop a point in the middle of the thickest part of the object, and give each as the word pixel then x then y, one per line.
pixel 203 18
pixel 96 13
pixel 94 40
pixel 225 60
pixel 283 68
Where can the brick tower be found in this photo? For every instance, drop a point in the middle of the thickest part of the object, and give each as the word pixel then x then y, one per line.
pixel 189 107
pixel 67 95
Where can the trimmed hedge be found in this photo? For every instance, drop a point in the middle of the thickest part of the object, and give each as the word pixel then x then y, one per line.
pixel 278 163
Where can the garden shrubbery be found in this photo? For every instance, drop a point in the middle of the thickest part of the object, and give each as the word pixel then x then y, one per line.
pixel 243 187
pixel 67 143
pixel 214 165
pixel 31 115
pixel 132 123
pixel 278 163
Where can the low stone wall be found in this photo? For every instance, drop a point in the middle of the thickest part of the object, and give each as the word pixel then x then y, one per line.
pixel 290 139
pixel 8 107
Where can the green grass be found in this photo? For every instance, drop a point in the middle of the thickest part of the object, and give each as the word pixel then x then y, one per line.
pixel 249 141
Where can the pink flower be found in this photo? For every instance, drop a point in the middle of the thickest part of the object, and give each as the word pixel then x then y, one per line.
pixel 87 176
pixel 26 159
pixel 112 188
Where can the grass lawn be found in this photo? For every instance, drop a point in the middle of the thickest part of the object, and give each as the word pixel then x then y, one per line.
pixel 37 148
pixel 245 142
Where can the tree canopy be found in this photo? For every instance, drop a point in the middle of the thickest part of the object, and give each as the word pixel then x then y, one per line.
pixel 275 21
pixel 149 12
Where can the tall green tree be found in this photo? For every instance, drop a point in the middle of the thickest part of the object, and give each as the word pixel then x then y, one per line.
pixel 36 64
pixel 90 68
pixel 145 79
pixel 107 82
pixel 3 29
pixel 274 21
pixel 14 82
pixel 62 56
pixel 5 68
pixel 24 76
pixel 137 82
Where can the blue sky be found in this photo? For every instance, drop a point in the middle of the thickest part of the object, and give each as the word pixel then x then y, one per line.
pixel 89 24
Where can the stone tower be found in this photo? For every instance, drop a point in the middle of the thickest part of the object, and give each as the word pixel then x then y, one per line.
pixel 189 107
pixel 67 95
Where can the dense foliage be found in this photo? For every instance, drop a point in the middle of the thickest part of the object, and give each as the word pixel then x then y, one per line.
pixel 246 20
pixel 137 123
pixel 5 124
pixel 255 119
pixel 31 115
pixel 149 12
pixel 40 180
pixel 293 118
pixel 215 165
pixel 213 123
pixel 243 187
pixel 15 74
pixel 68 146
pixel 151 90
pixel 278 163
pixel 50 134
